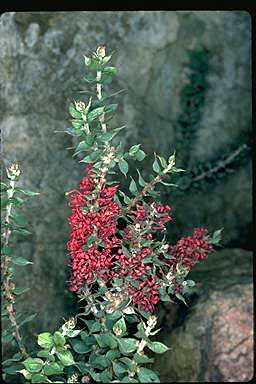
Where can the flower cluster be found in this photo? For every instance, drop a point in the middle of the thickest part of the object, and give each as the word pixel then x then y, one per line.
pixel 99 250
pixel 98 223
pixel 189 250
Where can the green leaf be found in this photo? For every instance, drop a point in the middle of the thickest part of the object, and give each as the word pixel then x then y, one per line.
pixel 156 166
pixel 66 358
pixel 13 369
pixel 119 327
pixel 27 192
pixel 130 363
pixel 105 376
pixel 127 345
pixel 52 369
pixel 59 339
pixel 119 368
pixel 134 149
pixel 106 340
pixel 87 60
pixel 19 219
pixel 73 112
pixel 95 113
pixel 128 379
pixel 113 354
pixel 19 291
pixel 73 332
pixel 93 326
pixel 80 346
pixel 21 231
pixel 82 146
pixel 38 378
pixel 140 155
pixel 142 182
pixel 100 362
pixel 216 237
pixel 28 319
pixel 142 359
pixel 126 198
pixel 15 357
pixel 45 340
pixel 4 187
pixel 107 136
pixel 191 283
pixel 110 70
pixel 123 166
pixel 146 375
pixel 20 260
pixel 46 354
pixel 180 297
pixel 133 187
pixel 33 365
pixel 111 108
pixel 157 347
pixel 162 161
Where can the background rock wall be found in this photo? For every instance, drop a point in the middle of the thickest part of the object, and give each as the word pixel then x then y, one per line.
pixel 41 68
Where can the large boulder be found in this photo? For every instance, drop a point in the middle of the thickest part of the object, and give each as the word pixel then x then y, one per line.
pixel 41 67
pixel 214 339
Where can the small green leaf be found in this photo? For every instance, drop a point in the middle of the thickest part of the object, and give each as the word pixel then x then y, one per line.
pixel 107 136
pixel 19 291
pixel 66 358
pixel 100 362
pixel 95 113
pixel 33 365
pixel 80 346
pixel 110 70
pixel 27 192
pixel 119 327
pixel 119 368
pixel 127 345
pixel 38 378
pixel 93 326
pixel 142 359
pixel 87 60
pixel 20 260
pixel 133 187
pixel 46 354
pixel 128 379
pixel 180 297
pixel 21 231
pixel 156 166
pixel 105 376
pixel 142 182
pixel 52 369
pixel 130 363
pixel 140 155
pixel 73 332
pixel 59 339
pixel 73 112
pixel 162 161
pixel 19 219
pixel 146 375
pixel 123 166
pixel 157 347
pixel 28 319
pixel 111 108
pixel 134 149
pixel 45 340
pixel 113 354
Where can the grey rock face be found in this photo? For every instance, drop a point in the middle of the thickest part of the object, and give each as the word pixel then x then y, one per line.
pixel 41 67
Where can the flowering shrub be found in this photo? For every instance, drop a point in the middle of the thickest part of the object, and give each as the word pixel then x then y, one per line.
pixel 121 260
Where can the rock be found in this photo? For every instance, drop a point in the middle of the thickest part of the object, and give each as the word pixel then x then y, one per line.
pixel 214 341
pixel 41 68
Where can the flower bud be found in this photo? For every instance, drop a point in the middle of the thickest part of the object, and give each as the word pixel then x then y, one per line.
pixel 101 52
